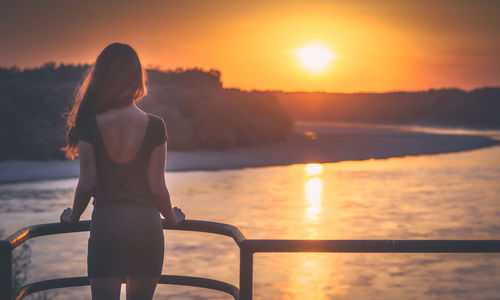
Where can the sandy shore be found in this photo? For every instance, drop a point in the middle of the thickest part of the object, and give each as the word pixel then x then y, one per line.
pixel 309 143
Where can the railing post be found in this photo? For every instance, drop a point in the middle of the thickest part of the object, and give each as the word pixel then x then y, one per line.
pixel 246 273
pixel 5 270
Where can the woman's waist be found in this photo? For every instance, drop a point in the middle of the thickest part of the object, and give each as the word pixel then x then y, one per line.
pixel 106 198
pixel 120 222
pixel 126 213
pixel 134 189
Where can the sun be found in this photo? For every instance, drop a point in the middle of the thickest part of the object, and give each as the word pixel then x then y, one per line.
pixel 315 58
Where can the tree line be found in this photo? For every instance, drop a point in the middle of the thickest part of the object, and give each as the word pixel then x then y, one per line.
pixel 201 114
pixel 444 107
pixel 198 111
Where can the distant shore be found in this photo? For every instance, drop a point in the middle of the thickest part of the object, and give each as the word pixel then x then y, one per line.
pixel 310 142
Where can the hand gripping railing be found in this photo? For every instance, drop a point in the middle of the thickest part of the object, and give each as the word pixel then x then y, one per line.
pixel 247 248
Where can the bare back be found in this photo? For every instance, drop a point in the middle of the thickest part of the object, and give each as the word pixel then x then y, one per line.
pixel 123 133
pixel 123 142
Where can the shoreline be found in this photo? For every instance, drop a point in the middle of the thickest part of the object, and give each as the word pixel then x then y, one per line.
pixel 310 142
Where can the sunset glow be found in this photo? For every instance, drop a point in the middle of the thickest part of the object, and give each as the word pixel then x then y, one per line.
pixel 293 150
pixel 333 46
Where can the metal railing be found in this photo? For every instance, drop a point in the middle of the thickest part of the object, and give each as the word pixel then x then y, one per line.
pixel 248 247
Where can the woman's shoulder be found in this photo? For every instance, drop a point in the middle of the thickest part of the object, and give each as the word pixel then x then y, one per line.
pixel 86 117
pixel 85 127
pixel 85 121
pixel 154 117
pixel 159 128
pixel 156 120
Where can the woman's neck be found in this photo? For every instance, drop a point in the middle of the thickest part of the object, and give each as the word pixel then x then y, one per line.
pixel 129 109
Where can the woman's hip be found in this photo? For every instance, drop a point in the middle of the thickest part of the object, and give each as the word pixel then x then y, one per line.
pixel 126 222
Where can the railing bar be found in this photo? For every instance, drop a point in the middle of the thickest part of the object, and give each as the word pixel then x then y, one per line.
pixel 26 233
pixel 201 282
pixel 5 269
pixel 247 249
pixel 374 246
pixel 246 274
pixel 44 285
pixel 164 279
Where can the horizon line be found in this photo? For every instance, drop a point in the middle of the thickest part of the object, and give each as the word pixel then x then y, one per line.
pixel 174 69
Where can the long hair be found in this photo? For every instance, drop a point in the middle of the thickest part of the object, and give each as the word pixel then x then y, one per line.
pixel 116 79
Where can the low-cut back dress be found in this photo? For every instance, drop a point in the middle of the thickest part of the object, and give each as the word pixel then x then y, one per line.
pixel 126 234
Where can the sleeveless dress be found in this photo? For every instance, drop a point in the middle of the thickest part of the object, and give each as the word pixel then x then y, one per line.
pixel 126 233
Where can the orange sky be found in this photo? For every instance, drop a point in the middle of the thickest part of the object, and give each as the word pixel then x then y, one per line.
pixel 378 45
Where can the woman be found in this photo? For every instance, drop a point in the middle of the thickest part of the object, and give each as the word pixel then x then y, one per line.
pixel 122 153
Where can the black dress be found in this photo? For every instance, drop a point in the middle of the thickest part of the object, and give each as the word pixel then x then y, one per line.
pixel 126 234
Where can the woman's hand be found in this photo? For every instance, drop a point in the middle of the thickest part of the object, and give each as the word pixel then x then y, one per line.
pixel 66 216
pixel 179 216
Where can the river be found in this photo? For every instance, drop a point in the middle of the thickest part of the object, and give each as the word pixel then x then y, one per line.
pixel 441 196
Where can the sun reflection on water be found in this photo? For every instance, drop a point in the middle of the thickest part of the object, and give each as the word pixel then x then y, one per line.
pixel 313 188
pixel 396 198
pixel 314 276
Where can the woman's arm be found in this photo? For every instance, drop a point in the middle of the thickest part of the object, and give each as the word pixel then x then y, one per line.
pixel 86 181
pixel 156 179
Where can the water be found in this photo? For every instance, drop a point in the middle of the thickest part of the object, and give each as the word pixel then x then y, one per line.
pixel 444 196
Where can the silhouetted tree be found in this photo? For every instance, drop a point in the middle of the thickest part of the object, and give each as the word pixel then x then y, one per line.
pixel 450 107
pixel 199 112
